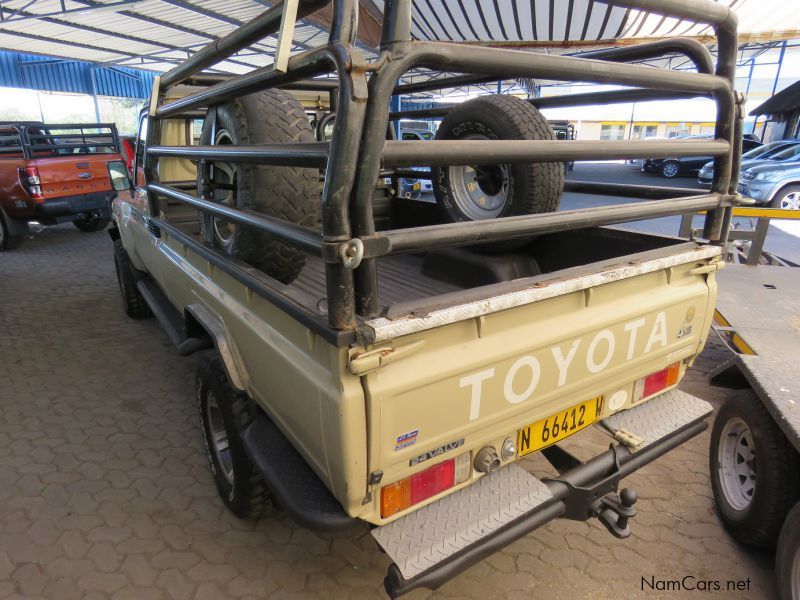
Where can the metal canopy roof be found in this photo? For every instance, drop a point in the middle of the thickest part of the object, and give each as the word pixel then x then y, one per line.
pixel 785 102
pixel 578 20
pixel 157 34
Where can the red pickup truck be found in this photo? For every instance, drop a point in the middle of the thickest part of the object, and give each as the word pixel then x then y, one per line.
pixel 57 173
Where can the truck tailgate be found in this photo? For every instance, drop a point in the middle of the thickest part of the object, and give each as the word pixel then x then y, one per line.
pixel 479 379
pixel 74 175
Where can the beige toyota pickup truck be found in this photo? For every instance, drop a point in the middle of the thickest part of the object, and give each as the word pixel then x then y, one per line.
pixel 378 362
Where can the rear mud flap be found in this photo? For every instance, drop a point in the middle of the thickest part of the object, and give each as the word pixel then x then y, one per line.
pixel 435 543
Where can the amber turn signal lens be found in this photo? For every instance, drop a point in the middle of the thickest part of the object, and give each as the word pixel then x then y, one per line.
pixel 395 497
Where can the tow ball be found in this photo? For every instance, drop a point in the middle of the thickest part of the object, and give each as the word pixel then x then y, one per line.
pixel 615 510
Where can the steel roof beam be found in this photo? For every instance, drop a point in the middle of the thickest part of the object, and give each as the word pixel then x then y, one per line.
pixel 25 16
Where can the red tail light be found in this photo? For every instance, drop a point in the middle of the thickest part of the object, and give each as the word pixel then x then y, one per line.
pixel 432 481
pixel 425 484
pixel 660 380
pixel 29 179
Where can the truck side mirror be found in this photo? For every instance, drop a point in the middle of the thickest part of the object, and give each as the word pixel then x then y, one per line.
pixel 118 175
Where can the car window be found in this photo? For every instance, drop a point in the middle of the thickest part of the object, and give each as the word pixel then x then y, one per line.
pixel 788 153
pixel 410 136
pixel 762 151
pixel 779 147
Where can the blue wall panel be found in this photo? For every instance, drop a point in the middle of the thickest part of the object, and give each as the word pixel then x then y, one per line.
pixel 56 75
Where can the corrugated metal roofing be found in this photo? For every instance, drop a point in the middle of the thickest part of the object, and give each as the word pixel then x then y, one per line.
pixel 157 34
pixel 58 75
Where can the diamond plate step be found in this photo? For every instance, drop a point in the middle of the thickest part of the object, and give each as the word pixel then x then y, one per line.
pixel 431 534
pixel 655 418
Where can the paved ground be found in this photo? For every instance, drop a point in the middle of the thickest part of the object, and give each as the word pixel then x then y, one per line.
pixel 104 489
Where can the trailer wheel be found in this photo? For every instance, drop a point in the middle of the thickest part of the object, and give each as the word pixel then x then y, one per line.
pixel 224 415
pixel 754 470
pixel 471 193
pixel 289 193
pixel 787 559
pixel 132 300
pixel 91 224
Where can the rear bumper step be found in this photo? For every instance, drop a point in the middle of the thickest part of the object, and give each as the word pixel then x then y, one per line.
pixel 437 542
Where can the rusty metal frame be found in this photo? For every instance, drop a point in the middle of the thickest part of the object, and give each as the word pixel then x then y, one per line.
pixel 359 152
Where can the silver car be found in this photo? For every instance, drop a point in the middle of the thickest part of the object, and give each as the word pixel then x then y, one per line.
pixel 768 152
pixel 776 185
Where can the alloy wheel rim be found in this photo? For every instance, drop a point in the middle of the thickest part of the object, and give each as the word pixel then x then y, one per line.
pixel 480 192
pixel 220 444
pixel 670 169
pixel 791 201
pixel 224 174
pixel 737 464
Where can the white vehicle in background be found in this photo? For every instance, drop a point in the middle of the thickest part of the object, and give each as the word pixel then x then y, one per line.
pixel 412 188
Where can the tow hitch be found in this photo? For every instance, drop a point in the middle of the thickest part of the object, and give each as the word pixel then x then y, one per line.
pixel 614 511
pixel 600 499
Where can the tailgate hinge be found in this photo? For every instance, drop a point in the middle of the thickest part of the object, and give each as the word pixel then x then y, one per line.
pixel 362 363
pixel 709 268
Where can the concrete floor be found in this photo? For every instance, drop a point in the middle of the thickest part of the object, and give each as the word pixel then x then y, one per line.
pixel 105 490
pixel 782 238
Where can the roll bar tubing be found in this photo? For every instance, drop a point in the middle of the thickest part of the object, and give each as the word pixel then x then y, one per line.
pixel 357 155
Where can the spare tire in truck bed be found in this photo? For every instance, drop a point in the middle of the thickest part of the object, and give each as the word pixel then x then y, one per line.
pixel 289 193
pixel 471 193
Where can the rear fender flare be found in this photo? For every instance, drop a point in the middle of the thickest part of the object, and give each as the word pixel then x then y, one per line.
pixel 199 316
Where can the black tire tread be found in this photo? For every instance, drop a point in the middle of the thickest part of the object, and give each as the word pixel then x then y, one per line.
pixel 289 193
pixel 9 242
pixel 253 497
pixel 788 545
pixel 91 225
pixel 778 472
pixel 133 302
pixel 547 177
pixel 545 180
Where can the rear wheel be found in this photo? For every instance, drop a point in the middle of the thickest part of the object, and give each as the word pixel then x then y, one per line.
pixel 670 169
pixel 224 416
pixel 476 192
pixel 8 241
pixel 787 558
pixel 290 193
pixel 788 198
pixel 90 224
pixel 754 470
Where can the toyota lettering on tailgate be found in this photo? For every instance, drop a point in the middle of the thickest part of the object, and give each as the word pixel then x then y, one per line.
pixel 595 352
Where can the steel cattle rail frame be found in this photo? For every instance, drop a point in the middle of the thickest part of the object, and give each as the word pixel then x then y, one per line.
pixel 37 137
pixel 359 151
